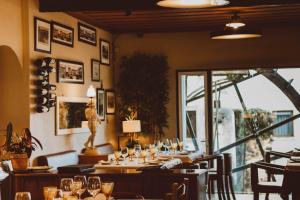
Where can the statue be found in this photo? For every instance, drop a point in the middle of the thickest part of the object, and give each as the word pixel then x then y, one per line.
pixel 93 120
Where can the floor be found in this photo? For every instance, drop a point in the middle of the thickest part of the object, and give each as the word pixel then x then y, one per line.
pixel 250 197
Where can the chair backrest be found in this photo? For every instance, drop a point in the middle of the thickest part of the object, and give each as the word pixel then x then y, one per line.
pixel 179 191
pixel 227 163
pixel 59 159
pixel 103 149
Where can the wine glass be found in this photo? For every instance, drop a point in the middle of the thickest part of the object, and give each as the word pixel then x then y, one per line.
pixel 144 155
pixel 174 145
pixel 49 192
pixel 159 145
pixel 153 151
pixel 107 188
pixel 23 196
pixel 124 151
pixel 94 185
pixel 117 155
pixel 166 144
pixel 131 152
pixel 82 180
pixel 137 149
pixel 180 144
pixel 65 186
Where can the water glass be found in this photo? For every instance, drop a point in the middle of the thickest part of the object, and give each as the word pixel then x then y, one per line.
pixel 82 180
pixel 65 186
pixel 107 188
pixel 137 149
pixel 124 151
pixel 23 196
pixel 94 185
pixel 117 155
pixel 49 192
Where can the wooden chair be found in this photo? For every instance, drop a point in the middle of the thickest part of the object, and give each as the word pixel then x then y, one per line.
pixel 265 187
pixel 268 158
pixel 179 191
pixel 215 175
pixel 228 175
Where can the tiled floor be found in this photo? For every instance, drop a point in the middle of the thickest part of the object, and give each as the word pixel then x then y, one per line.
pixel 250 197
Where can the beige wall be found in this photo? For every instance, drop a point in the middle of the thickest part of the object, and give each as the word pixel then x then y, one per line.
pixel 17 32
pixel 278 47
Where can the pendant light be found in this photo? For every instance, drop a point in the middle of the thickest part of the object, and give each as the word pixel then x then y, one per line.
pixel 236 29
pixel 192 3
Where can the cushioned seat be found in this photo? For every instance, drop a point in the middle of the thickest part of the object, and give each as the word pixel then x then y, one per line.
pixel 59 159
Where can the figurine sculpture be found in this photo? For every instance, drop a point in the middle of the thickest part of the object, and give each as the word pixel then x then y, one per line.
pixel 93 121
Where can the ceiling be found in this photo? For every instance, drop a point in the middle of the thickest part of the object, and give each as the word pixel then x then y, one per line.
pixel 132 16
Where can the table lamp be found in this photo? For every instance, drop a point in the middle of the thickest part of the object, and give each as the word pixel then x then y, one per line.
pixel 131 127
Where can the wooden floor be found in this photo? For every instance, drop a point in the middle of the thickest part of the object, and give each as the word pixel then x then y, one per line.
pixel 250 197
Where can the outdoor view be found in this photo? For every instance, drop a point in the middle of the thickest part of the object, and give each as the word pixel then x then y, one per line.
pixel 246 104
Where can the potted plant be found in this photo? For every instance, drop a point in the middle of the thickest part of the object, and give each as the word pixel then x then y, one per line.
pixel 20 147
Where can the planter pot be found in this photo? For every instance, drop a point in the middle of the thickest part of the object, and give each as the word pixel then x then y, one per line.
pixel 19 161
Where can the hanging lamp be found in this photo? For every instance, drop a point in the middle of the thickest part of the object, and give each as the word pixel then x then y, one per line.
pixel 236 29
pixel 192 3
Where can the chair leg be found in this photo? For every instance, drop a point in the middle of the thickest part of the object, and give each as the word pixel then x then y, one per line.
pixel 209 189
pixel 227 187
pixel 231 187
pixel 222 188
pixel 219 188
pixel 267 196
pixel 256 195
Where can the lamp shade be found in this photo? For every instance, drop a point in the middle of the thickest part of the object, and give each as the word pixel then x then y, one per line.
pixel 131 126
pixel 91 92
pixel 192 3
pixel 231 34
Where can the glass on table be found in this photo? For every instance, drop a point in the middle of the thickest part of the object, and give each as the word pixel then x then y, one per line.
pixel 144 155
pixel 117 155
pixel 107 188
pixel 94 185
pixel 131 152
pixel 167 145
pixel 174 145
pixel 137 149
pixel 80 179
pixel 153 151
pixel 49 192
pixel 124 151
pixel 65 186
pixel 23 196
pixel 180 144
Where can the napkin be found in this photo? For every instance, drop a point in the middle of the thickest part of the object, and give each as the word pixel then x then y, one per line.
pixel 171 163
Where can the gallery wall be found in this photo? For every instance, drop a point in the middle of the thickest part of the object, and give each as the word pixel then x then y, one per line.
pixel 278 47
pixel 18 34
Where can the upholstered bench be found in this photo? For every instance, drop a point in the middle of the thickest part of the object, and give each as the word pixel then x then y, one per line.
pixel 59 159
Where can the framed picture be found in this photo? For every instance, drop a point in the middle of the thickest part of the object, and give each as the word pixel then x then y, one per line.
pixel 110 102
pixel 95 70
pixel 42 35
pixel 104 52
pixel 70 72
pixel 101 103
pixel 70 115
pixel 62 34
pixel 87 34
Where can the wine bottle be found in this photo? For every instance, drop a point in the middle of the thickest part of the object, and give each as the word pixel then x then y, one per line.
pixel 42 109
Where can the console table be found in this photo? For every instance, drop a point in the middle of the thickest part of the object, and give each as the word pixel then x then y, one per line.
pixel 149 184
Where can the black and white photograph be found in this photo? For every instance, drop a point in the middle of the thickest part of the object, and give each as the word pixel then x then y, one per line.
pixel 70 115
pixel 70 72
pixel 62 34
pixel 101 103
pixel 87 34
pixel 104 52
pixel 42 35
pixel 95 70
pixel 110 102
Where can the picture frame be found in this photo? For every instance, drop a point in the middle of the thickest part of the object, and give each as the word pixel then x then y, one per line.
pixel 104 52
pixel 70 115
pixel 70 71
pixel 95 70
pixel 100 101
pixel 62 34
pixel 110 99
pixel 42 35
pixel 87 34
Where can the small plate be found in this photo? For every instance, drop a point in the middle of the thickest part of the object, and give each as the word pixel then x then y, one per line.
pixel 153 162
pixel 104 162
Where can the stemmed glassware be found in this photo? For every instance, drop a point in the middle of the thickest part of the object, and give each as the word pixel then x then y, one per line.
pixel 174 145
pixel 117 155
pixel 81 181
pixel 167 144
pixel 107 188
pixel 153 151
pixel 65 186
pixel 180 144
pixel 94 185
pixel 23 196
pixel 124 151
pixel 131 152
pixel 137 150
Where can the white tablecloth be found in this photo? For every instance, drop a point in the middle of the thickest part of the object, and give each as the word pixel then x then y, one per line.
pixel 185 158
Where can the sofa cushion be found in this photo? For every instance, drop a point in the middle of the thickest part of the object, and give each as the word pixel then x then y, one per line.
pixel 59 159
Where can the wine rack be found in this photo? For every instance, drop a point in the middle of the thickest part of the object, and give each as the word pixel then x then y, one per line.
pixel 45 96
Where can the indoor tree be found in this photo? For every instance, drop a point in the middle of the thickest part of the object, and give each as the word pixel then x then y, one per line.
pixel 143 88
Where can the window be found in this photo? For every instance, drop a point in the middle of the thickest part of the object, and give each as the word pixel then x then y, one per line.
pixel 286 130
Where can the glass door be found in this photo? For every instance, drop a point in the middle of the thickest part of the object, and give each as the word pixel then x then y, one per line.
pixel 191 109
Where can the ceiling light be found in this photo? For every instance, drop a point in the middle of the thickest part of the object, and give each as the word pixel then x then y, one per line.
pixel 235 22
pixel 192 3
pixel 231 34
